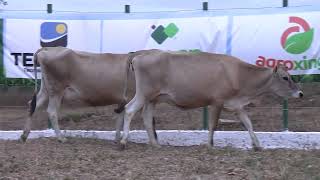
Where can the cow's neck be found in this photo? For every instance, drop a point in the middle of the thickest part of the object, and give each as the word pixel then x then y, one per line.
pixel 262 86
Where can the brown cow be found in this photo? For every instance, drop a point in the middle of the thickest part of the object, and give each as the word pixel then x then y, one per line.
pixel 90 78
pixel 195 80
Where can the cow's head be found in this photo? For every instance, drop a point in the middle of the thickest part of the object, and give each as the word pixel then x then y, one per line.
pixel 283 84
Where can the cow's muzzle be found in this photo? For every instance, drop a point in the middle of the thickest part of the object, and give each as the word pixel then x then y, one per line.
pixel 298 94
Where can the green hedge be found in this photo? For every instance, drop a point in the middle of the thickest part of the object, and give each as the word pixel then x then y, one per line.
pixel 16 82
pixel 306 78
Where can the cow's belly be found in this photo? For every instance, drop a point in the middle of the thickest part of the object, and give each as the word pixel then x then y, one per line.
pixel 182 101
pixel 92 98
pixel 235 104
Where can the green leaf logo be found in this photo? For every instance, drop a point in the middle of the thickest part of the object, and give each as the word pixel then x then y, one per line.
pixel 293 40
pixel 299 43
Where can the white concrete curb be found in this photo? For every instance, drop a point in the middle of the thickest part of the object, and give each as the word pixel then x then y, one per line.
pixel 236 139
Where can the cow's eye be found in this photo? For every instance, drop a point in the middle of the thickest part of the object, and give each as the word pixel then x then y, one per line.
pixel 285 78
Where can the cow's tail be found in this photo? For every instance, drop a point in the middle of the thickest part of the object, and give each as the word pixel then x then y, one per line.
pixel 129 66
pixel 33 103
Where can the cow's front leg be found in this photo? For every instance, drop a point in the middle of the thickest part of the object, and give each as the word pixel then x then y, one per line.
pixel 119 126
pixel 213 122
pixel 148 121
pixel 247 123
pixel 53 113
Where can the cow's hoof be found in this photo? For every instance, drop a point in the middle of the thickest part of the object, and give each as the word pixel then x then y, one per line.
pixel 210 146
pixel 23 138
pixel 117 140
pixel 62 139
pixel 122 146
pixel 157 146
pixel 257 148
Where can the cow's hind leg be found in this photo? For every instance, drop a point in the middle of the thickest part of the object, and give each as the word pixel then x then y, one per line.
pixel 41 100
pixel 247 123
pixel 148 121
pixel 53 112
pixel 213 122
pixel 120 122
pixel 130 110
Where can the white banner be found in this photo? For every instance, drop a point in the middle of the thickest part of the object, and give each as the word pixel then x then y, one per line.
pixel 290 39
pixel 264 40
pixel 24 37
pixel 201 33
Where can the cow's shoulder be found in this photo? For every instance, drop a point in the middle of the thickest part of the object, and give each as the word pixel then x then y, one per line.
pixel 53 53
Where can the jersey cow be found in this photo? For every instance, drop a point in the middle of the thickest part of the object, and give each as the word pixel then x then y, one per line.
pixel 90 78
pixel 195 80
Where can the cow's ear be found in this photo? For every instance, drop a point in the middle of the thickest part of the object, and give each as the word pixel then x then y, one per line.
pixel 275 69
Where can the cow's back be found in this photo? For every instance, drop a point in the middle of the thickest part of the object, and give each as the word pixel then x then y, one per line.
pixel 95 79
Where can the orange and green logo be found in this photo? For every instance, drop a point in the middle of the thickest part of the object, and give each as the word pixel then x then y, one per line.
pixel 161 33
pixel 295 40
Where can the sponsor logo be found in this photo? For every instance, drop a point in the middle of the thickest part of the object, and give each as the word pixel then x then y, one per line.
pixel 303 64
pixel 26 59
pixel 161 33
pixel 294 40
pixel 53 34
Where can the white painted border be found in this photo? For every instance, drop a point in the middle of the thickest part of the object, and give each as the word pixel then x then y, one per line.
pixel 236 139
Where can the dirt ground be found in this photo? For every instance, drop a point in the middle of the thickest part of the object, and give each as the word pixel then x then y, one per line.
pixel 99 159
